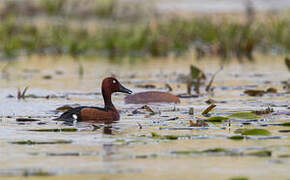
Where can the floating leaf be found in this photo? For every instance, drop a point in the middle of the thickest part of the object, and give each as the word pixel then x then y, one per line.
pixel 155 135
pixel 215 150
pixel 216 119
pixel 210 101
pixel 266 111
pixel 255 132
pixel 263 153
pixel 284 156
pixel 64 108
pixel 255 92
pixel 271 90
pixel 47 77
pixel 29 142
pixel 244 115
pixel 286 124
pixel 171 137
pixel 236 137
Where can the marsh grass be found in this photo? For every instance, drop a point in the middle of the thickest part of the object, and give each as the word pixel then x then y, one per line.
pixel 153 37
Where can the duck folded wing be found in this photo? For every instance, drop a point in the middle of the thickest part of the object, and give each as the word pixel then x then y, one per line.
pixel 95 114
pixel 85 113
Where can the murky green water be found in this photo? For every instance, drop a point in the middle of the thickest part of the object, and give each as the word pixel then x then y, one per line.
pixel 131 152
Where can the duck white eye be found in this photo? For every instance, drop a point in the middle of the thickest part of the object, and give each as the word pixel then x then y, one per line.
pixel 114 81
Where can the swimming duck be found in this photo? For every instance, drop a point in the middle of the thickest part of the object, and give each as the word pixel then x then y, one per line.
pixel 96 114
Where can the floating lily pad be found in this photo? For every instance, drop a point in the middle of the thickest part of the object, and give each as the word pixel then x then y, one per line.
pixel 171 137
pixel 284 156
pixel 244 115
pixel 29 142
pixel 266 111
pixel 216 119
pixel 55 130
pixel 155 135
pixel 264 153
pixel 236 137
pixel 215 150
pixel 271 90
pixel 251 92
pixel 38 173
pixel 286 124
pixel 256 132
pixel 146 156
pixel 64 108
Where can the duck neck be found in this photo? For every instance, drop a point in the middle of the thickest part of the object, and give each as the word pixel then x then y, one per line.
pixel 107 100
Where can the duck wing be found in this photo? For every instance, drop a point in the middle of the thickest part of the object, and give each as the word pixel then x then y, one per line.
pixel 75 114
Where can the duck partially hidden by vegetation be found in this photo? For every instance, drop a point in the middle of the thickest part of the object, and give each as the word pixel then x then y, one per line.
pixel 97 114
pixel 151 97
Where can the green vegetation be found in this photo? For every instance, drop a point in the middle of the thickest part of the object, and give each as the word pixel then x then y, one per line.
pixel 216 119
pixel 263 153
pixel 117 37
pixel 169 137
pixel 244 115
pixel 215 150
pixel 236 137
pixel 186 152
pixel 29 142
pixel 254 132
pixel 285 124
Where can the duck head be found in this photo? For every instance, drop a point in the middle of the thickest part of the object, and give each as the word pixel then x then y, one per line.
pixel 111 85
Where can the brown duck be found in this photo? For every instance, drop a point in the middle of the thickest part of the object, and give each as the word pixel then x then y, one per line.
pixel 97 114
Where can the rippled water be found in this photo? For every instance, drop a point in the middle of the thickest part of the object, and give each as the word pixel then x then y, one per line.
pixel 131 152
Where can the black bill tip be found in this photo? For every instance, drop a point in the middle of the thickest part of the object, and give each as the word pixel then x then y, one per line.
pixel 124 90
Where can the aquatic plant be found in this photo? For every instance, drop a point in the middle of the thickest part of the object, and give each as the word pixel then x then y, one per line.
pixel 117 38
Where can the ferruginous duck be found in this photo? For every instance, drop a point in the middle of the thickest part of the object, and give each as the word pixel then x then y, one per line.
pixel 97 114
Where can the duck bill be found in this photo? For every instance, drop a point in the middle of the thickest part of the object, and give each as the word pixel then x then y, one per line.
pixel 124 90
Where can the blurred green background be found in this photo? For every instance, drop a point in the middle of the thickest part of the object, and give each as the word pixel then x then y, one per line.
pixel 119 29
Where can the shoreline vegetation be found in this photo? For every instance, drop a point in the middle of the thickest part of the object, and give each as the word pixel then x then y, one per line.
pixel 118 30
